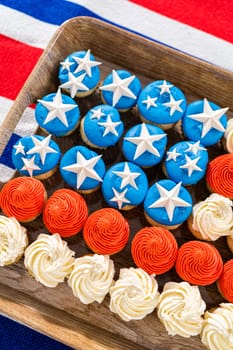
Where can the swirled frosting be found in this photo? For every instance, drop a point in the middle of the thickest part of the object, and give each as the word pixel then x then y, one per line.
pixel 49 259
pixel 106 231
pixel 217 330
pixel 154 249
pixel 219 175
pixel 199 263
pixel 229 136
pixel 13 240
pixel 23 198
pixel 213 217
pixel 91 278
pixel 180 309
pixel 225 282
pixel 65 212
pixel 134 295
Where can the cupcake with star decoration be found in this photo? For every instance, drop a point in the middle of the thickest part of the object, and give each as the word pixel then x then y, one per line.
pixel 101 127
pixel 36 156
pixel 162 104
pixel 79 74
pixel 120 89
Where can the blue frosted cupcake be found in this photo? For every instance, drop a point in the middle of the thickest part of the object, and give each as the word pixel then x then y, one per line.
pixel 101 127
pixel 79 74
pixel 125 186
pixel 36 156
pixel 186 162
pixel 167 204
pixel 82 169
pixel 57 114
pixel 144 145
pixel 204 121
pixel 162 104
pixel 120 89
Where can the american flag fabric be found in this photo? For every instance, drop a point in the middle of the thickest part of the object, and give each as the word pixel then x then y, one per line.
pixel 203 29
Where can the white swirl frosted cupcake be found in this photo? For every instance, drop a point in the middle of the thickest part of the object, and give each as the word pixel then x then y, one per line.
pixel 92 277
pixel 134 295
pixel 228 137
pixel 13 240
pixel 180 309
pixel 49 259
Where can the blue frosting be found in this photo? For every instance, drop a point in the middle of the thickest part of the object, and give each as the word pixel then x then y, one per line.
pixel 178 168
pixel 134 190
pixel 160 214
pixel 56 127
pixel 91 179
pixel 157 111
pixel 147 158
pixel 26 144
pixel 124 102
pixel 97 132
pixel 193 129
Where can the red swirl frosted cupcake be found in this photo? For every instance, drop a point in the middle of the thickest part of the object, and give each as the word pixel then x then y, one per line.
pixel 106 231
pixel 154 249
pixel 23 198
pixel 199 263
pixel 65 212
pixel 225 281
pixel 219 175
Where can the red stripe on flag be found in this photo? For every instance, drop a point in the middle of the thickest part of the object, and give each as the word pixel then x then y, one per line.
pixel 16 63
pixel 213 17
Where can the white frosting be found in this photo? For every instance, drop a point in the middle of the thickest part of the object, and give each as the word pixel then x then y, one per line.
pixel 119 197
pixel 229 136
pixel 49 260
pixel 91 278
pixel 134 295
pixel 41 147
pixel 174 105
pixel 109 126
pixel 213 217
pixel 128 177
pixel 85 63
pixel 180 309
pixel 217 330
pixel 13 240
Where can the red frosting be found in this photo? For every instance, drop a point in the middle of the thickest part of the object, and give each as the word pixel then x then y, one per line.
pixel 225 282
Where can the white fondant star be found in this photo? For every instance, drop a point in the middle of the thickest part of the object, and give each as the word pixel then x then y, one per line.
pixel 57 109
pixel 150 102
pixel 19 148
pixel 191 165
pixel 75 84
pixel 169 200
pixel 195 147
pixel 96 113
pixel 119 87
pixel 29 165
pixel 209 118
pixel 110 126
pixel 119 197
pixel 144 142
pixel 165 87
pixel 172 155
pixel 128 177
pixel 41 147
pixel 66 65
pixel 84 168
pixel 85 63
pixel 174 105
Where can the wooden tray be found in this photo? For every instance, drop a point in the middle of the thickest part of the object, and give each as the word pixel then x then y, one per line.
pixel 56 312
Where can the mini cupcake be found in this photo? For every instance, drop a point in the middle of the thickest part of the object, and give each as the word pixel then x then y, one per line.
pixel 162 104
pixel 186 162
pixel 225 281
pixel 82 169
pixel 144 145
pixel 101 127
pixel 79 74
pixel 167 204
pixel 65 212
pixel 212 218
pixel 23 198
pixel 154 249
pixel 219 175
pixel 106 231
pixel 120 89
pixel 36 156
pixel 199 263
pixel 228 137
pixel 124 186
pixel 204 121
pixel 57 114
